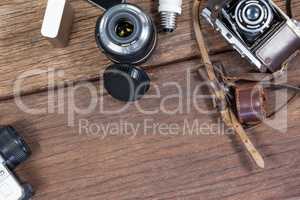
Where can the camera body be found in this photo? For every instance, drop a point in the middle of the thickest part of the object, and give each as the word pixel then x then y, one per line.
pixel 258 29
pixel 13 151
pixel 10 188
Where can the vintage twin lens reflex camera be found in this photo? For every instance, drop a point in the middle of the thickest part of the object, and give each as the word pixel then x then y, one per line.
pixel 258 29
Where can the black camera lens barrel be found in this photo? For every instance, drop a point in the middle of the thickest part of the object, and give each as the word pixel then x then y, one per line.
pixel 13 148
pixel 126 34
pixel 28 192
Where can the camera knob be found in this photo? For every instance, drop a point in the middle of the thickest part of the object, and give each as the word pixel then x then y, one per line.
pixel 126 82
pixel 13 148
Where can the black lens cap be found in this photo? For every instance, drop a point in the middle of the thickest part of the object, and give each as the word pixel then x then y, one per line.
pixel 126 82
pixel 13 148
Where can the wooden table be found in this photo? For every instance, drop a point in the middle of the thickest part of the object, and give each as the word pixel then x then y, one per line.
pixel 71 162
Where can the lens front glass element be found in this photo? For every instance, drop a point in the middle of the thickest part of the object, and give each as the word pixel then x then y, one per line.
pixel 124 28
pixel 253 12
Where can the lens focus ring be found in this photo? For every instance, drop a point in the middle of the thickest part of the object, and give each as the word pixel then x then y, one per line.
pixel 126 34
pixel 13 148
pixel 253 16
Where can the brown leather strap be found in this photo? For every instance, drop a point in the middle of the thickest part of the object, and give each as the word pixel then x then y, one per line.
pixel 295 89
pixel 254 77
pixel 266 80
pixel 227 114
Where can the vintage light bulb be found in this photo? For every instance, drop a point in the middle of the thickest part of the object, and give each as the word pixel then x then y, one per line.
pixel 169 10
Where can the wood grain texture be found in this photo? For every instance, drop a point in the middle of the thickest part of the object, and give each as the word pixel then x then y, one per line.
pixel 71 164
pixel 68 163
pixel 22 49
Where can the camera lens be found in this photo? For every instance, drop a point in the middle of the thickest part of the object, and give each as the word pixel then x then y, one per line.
pixel 253 12
pixel 126 34
pixel 124 28
pixel 12 147
pixel 253 17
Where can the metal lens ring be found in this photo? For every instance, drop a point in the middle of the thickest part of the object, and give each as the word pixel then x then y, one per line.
pixel 253 16
pixel 126 34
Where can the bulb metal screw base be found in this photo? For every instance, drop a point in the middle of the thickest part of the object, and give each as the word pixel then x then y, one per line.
pixel 168 21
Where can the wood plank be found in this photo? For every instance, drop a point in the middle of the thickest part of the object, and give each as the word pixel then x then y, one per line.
pixel 69 164
pixel 22 48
